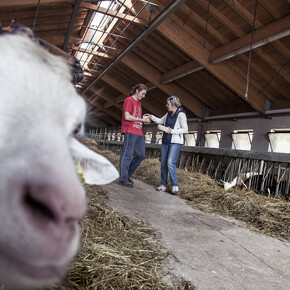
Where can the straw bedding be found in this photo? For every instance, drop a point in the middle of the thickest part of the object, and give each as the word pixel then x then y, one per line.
pixel 118 252
pixel 270 216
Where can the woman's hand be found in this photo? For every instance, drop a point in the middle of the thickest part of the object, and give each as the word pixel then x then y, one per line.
pixel 168 130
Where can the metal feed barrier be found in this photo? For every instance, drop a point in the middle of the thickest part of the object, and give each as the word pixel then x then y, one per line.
pixel 268 173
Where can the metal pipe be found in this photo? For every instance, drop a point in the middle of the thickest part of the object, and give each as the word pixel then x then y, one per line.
pixel 151 26
pixel 76 6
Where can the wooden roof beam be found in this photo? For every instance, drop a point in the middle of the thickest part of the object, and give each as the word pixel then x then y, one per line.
pixel 248 17
pixel 117 116
pixel 180 72
pixel 106 96
pixel 149 86
pixel 239 33
pixel 268 33
pixel 97 108
pixel 183 39
pixel 107 119
pixel 17 3
pixel 153 75
pixel 121 87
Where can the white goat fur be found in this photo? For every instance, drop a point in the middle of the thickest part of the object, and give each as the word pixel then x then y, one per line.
pixel 41 197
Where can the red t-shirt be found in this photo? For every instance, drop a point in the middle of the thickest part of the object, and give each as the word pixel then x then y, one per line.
pixel 135 109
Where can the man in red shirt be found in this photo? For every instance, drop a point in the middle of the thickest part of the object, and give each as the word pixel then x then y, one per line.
pixel 132 122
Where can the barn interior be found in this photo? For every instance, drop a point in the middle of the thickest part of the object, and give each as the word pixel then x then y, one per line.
pixel 227 61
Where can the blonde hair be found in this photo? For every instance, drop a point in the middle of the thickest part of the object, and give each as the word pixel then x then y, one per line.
pixel 175 101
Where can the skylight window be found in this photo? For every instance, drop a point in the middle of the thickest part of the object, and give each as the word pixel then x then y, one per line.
pixel 95 33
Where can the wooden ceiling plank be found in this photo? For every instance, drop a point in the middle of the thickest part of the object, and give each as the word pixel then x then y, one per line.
pixel 121 98
pixel 107 119
pixel 112 13
pixel 124 90
pixel 248 17
pixel 269 7
pixel 106 97
pixel 270 30
pixel 184 40
pixel 238 33
pixel 19 3
pixel 181 71
pixel 153 75
pixel 203 24
pixel 221 18
pixel 117 116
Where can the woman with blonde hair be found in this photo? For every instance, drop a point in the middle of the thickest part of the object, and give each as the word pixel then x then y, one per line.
pixel 175 123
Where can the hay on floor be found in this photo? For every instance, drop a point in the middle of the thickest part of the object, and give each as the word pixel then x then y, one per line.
pixel 270 216
pixel 116 252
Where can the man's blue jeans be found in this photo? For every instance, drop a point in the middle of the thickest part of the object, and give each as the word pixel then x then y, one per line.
pixel 132 143
pixel 169 156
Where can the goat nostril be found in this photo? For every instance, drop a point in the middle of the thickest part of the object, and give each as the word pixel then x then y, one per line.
pixel 38 208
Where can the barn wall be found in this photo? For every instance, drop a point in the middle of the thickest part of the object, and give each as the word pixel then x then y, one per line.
pixel 260 126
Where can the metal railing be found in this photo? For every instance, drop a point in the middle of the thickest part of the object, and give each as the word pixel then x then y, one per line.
pixel 265 172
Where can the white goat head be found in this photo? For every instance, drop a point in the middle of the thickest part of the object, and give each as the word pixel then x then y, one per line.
pixel 41 197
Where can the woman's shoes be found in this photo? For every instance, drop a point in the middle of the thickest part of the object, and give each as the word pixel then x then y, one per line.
pixel 161 188
pixel 174 190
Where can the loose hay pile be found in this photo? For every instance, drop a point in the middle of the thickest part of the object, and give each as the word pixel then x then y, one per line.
pixel 116 252
pixel 119 253
pixel 269 216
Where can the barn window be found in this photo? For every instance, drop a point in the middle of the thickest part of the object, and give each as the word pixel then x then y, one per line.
pixel 95 40
pixel 190 138
pixel 212 138
pixel 158 137
pixel 148 137
pixel 242 139
pixel 109 136
pixel 279 140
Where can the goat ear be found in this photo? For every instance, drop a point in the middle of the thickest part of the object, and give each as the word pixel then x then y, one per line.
pixel 96 168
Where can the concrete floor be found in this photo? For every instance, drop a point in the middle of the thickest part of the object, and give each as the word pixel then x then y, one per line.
pixel 210 251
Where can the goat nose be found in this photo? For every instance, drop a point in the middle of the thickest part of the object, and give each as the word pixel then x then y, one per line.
pixel 54 204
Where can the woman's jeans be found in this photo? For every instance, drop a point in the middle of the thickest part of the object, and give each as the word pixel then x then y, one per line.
pixel 131 143
pixel 169 156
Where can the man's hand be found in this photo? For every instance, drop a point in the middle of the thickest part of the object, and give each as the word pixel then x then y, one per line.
pixel 146 118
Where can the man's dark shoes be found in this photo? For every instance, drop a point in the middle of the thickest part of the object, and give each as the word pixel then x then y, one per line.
pixel 130 180
pixel 126 183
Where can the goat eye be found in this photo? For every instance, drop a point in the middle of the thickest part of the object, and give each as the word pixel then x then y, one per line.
pixel 77 129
